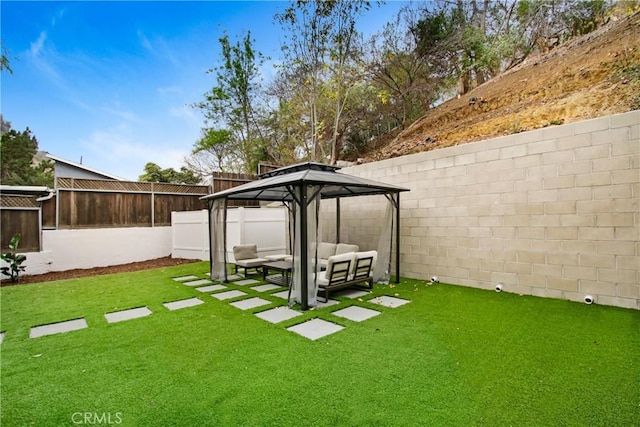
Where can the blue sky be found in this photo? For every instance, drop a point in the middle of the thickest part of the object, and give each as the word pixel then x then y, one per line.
pixel 111 82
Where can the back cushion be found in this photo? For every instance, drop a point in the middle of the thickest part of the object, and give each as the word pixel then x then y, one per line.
pixel 343 248
pixel 245 252
pixel 360 255
pixel 350 256
pixel 325 250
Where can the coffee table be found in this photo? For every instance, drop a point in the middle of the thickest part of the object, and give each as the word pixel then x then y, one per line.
pixel 284 267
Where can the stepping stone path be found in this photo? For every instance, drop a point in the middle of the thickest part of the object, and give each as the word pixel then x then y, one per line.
pixel 58 328
pixel 329 303
pixel 249 303
pixel 265 288
pixel 198 282
pixel 177 305
pixel 246 282
pixel 278 314
pixel 228 295
pixel 133 313
pixel 282 294
pixel 211 288
pixel 184 278
pixel 353 293
pixel 355 313
pixel 388 301
pixel 315 329
pixel 312 329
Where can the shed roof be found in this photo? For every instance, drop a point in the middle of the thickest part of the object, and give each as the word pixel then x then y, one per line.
pixel 277 185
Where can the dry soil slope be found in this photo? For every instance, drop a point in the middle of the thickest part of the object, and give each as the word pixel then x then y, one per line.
pixel 592 76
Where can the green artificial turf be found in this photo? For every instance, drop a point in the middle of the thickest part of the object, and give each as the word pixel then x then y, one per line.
pixel 453 356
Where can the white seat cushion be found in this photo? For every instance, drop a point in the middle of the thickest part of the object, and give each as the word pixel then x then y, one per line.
pixel 250 263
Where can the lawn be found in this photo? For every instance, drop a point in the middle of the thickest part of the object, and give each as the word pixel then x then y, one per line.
pixel 452 356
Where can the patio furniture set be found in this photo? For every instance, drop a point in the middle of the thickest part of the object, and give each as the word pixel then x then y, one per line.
pixel 341 266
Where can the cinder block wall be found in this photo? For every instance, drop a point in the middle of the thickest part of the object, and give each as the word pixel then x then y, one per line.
pixel 552 212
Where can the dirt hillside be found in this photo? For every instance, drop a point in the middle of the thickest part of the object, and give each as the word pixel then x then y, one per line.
pixel 588 77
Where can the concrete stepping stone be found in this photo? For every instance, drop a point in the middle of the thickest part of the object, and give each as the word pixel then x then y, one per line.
pixel 246 282
pixel 132 313
pixel 265 288
pixel 352 293
pixel 355 313
pixel 198 282
pixel 177 305
pixel 235 277
pixel 329 303
pixel 228 295
pixel 282 294
pixel 184 278
pixel 1 337
pixel 315 329
pixel 249 303
pixel 278 314
pixel 388 301
pixel 211 288
pixel 58 328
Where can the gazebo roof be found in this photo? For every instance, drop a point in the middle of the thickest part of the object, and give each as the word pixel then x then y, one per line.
pixel 277 185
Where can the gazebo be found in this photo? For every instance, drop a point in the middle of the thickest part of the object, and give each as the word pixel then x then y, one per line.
pixel 301 187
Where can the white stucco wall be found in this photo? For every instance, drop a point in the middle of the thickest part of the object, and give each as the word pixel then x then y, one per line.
pixel 72 249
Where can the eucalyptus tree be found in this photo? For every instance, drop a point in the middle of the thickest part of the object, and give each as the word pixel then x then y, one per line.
pixel 233 104
pixel 322 52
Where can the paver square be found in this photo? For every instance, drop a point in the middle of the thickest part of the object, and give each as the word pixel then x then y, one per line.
pixel 184 278
pixel 198 282
pixel 265 288
pixel 1 337
pixel 133 313
pixel 352 293
pixel 228 295
pixel 329 303
pixel 211 288
pixel 282 294
pixel 355 313
pixel 246 282
pixel 315 329
pixel 388 301
pixel 234 277
pixel 278 314
pixel 177 305
pixel 58 328
pixel 249 303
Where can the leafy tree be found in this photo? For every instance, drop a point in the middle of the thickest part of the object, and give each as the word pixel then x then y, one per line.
pixel 233 104
pixel 406 82
pixel 17 151
pixel 323 52
pixel 154 173
pixel 4 59
pixel 213 152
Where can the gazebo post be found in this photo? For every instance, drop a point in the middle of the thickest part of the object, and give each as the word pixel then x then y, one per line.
pixel 337 219
pixel 304 249
pixel 397 236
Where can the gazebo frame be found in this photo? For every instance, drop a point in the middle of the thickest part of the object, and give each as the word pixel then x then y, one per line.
pixel 291 185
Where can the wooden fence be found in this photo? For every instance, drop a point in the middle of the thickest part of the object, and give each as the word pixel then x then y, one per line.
pixel 92 203
pixel 20 214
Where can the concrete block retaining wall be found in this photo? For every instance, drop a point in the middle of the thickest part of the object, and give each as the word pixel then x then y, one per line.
pixel 552 212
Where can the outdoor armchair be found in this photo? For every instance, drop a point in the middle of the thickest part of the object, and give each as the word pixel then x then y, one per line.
pixel 246 256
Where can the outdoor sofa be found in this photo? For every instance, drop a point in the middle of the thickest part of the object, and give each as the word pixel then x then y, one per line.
pixel 347 270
